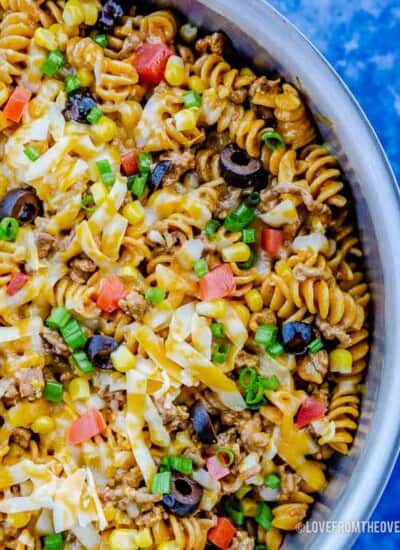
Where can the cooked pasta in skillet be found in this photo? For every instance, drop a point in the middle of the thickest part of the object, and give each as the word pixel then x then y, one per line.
pixel 183 308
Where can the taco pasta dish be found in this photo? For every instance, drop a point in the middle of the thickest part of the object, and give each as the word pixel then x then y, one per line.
pixel 183 310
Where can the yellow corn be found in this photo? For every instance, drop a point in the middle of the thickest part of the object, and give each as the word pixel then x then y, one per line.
pixel 123 359
pixel 79 389
pixel 214 308
pixel 43 425
pixel 133 212
pixel 254 300
pixel 24 413
pixel 85 77
pixel 249 507
pixel 282 268
pixel 73 13
pixel 242 311
pixel 104 131
pixel 186 119
pixel 341 360
pixel 169 545
pixel 90 12
pixel 99 192
pixel 123 539
pixel 246 71
pixel 129 272
pixel 45 39
pixel 175 71
pixel 19 519
pixel 238 252
pixel 143 538
pixel 197 84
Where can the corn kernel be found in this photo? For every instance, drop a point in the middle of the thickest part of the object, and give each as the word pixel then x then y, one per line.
pixel 104 131
pixel 122 539
pixel 90 12
pixel 214 308
pixel 340 360
pixel 99 192
pixel 19 519
pixel 254 300
pixel 242 311
pixel 45 39
pixel 79 389
pixel 197 84
pixel 246 71
pixel 60 34
pixel 123 359
pixel 85 77
pixel 249 507
pixel 73 13
pixel 169 545
pixel 24 413
pixel 238 252
pixel 143 538
pixel 175 71
pixel 133 212
pixel 43 425
pixel 129 272
pixel 282 268
pixel 186 119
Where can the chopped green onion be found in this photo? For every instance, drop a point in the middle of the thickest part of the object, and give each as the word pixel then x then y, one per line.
pixel 315 346
pixel 73 335
pixel 181 464
pixel 82 362
pixel 161 483
pixel 260 547
pixel 71 84
pixel 101 40
pixel 105 171
pixel 275 349
pixel 218 330
pixel 94 115
pixel 255 395
pixel 243 491
pixel 189 32
pixel 249 236
pixel 271 382
pixel 273 140
pixel 53 391
pixel 155 295
pixel 266 334
pixel 165 465
pixel 240 218
pixel 234 510
pixel 220 353
pixel 247 378
pixel 264 516
pixel 58 318
pixel 225 456
pixel 192 99
pixel 31 153
pixel 201 267
pixel 254 198
pixel 144 162
pixel 211 228
pixel 53 542
pixel 88 204
pixel 273 481
pixel 251 262
pixel 137 184
pixel 9 229
pixel 54 61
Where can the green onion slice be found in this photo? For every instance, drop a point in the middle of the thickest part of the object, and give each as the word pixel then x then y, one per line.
pixel 315 346
pixel 251 262
pixel 247 378
pixel 9 228
pixel 88 204
pixel 31 153
pixel 225 456
pixel 234 510
pixel 201 267
pixel 181 464
pixel 220 353
pixel 82 362
pixel 58 318
pixel 264 515
pixel 53 391
pixel 218 330
pixel 161 483
pixel 155 295
pixel 273 140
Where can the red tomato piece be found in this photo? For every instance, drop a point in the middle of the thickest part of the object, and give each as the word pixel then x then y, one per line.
pixel 222 534
pixel 86 426
pixel 18 281
pixel 150 61
pixel 272 240
pixel 16 103
pixel 310 410
pixel 218 283
pixel 111 292
pixel 216 469
pixel 129 164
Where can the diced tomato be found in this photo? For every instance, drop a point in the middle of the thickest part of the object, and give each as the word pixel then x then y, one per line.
pixel 216 469
pixel 86 426
pixel 272 240
pixel 150 61
pixel 129 164
pixel 222 534
pixel 18 281
pixel 111 292
pixel 218 283
pixel 310 410
pixel 16 103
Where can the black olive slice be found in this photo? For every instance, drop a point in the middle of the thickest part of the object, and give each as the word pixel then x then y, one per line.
pixel 158 173
pixel 78 106
pixel 184 497
pixel 110 15
pixel 22 204
pixel 239 169
pixel 296 336
pixel 99 349
pixel 202 424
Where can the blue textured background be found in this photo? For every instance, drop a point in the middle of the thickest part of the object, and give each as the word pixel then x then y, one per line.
pixel 361 39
